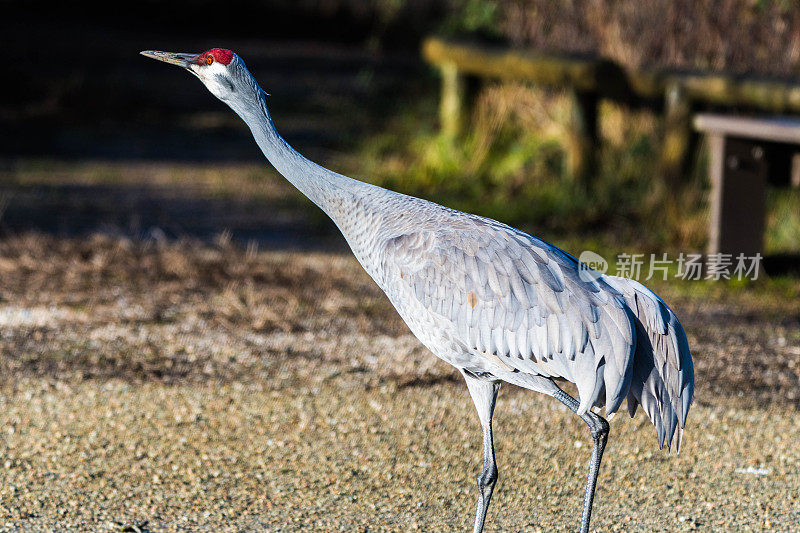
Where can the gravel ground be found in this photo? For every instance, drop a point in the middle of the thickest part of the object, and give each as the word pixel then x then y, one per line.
pixel 152 386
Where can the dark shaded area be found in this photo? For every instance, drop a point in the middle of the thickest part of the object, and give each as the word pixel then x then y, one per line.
pixel 786 263
pixel 160 213
pixel 79 90
pixel 388 24
pixel 404 382
pixel 106 101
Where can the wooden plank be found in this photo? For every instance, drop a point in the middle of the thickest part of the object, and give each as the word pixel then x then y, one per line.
pixel 609 80
pixel 513 65
pixel 730 91
pixel 778 129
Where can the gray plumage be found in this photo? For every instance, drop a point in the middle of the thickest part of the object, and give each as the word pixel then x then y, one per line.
pixel 493 301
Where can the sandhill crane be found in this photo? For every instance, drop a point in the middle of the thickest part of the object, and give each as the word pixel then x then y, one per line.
pixel 493 301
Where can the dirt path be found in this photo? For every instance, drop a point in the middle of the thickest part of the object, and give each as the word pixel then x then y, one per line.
pixel 188 386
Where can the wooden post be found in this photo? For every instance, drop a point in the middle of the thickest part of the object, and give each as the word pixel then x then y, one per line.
pixel 795 171
pixel 452 104
pixel 583 136
pixel 677 139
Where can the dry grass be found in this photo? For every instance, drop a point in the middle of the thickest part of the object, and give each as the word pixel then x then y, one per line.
pixel 220 179
pixel 105 307
pixel 684 34
pixel 187 305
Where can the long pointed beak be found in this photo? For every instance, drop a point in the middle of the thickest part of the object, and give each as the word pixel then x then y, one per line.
pixel 182 60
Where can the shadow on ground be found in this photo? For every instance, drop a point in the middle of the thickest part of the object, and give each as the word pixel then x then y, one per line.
pixel 152 212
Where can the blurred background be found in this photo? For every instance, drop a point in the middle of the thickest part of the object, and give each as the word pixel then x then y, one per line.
pixel 176 320
pixel 350 89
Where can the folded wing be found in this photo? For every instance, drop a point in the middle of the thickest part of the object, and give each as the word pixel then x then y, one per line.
pixel 521 300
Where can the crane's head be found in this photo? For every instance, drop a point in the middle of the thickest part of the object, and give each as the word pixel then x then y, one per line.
pixel 220 70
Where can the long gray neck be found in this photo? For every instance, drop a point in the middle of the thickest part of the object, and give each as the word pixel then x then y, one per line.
pixel 328 190
pixel 357 208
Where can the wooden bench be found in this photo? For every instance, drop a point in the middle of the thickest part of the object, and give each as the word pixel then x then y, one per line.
pixel 587 80
pixel 746 155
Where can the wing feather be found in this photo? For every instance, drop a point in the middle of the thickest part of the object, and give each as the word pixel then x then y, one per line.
pixel 518 298
pixel 663 374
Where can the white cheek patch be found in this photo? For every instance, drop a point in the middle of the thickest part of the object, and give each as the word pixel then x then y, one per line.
pixel 214 77
pixel 216 69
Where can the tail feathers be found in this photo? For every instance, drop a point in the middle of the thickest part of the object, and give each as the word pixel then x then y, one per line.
pixel 663 375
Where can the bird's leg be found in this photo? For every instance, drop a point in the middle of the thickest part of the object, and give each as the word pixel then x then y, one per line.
pixel 484 395
pixel 599 429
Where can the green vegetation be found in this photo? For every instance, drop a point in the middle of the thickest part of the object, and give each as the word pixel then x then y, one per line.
pixel 511 166
pixel 783 221
pixel 473 17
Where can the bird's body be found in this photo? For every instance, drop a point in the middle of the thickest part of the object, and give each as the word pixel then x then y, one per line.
pixel 501 304
pixel 493 301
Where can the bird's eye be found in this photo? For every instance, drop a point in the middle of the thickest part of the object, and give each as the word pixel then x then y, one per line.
pixel 209 60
